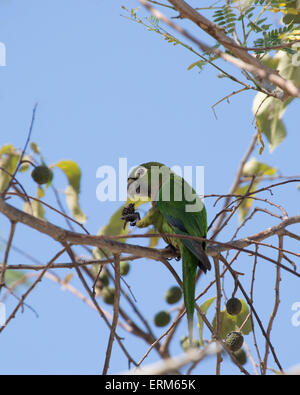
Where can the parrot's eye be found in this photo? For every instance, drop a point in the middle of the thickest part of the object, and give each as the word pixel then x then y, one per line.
pixel 141 171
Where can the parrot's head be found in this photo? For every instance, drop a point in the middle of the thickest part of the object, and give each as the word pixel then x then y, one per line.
pixel 145 180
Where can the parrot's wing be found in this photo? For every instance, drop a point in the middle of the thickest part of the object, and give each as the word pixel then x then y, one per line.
pixel 185 222
pixel 192 245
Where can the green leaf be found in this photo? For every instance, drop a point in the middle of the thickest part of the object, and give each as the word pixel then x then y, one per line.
pixel 231 323
pixel 35 208
pixel 7 149
pixel 291 18
pixel 8 161
pixel 247 203
pixel 288 70
pixel 269 112
pixel 40 192
pixel 204 307
pixel 35 148
pixel 268 115
pixel 72 199
pixel 115 225
pixel 255 168
pixel 113 228
pixel 72 171
pixel 270 62
pixel 256 28
pixel 11 276
pixel 198 63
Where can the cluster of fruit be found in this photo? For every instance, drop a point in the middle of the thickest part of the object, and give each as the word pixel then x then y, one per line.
pixel 235 339
pixel 107 292
pixel 172 296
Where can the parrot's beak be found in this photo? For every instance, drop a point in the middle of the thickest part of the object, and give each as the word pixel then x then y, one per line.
pixel 134 190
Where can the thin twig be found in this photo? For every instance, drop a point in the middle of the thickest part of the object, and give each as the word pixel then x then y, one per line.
pixel 116 315
pixel 237 181
pixel 252 299
pixel 218 312
pixel 13 314
pixel 276 303
pixel 24 150
pixel 7 250
pixel 100 311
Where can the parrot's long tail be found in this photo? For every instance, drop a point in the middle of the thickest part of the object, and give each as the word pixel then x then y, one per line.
pixel 189 270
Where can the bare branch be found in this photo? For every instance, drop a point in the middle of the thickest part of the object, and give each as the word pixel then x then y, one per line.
pixel 245 60
pixel 20 304
pixel 276 302
pixel 7 250
pixel 116 314
pixel 218 311
pixel 173 364
pixel 242 60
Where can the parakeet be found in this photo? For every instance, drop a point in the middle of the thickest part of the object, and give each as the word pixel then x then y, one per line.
pixel 176 209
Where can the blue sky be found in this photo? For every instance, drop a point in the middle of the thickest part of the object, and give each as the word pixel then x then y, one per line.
pixel 106 88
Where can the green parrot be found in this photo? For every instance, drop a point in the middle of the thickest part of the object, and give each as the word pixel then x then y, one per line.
pixel 176 209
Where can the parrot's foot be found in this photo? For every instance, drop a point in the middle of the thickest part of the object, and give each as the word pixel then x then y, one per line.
pixel 174 250
pixel 130 215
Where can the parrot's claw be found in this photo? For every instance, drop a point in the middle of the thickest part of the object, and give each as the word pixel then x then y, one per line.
pixel 130 215
pixel 173 249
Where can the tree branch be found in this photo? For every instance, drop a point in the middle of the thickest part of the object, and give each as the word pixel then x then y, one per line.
pixel 115 247
pixel 246 61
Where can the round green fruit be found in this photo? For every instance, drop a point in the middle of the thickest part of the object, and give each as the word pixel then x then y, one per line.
pixel 234 340
pixel 124 268
pixel 241 356
pixel 108 295
pixel 173 295
pixel 104 278
pixel 41 174
pixel 162 318
pixel 234 306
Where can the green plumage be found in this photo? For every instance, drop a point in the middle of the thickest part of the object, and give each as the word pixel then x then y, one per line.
pixel 174 212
